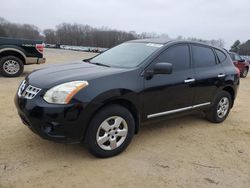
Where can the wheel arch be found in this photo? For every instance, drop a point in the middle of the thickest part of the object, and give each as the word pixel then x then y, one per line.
pixel 231 91
pixel 13 52
pixel 116 101
pixel 131 107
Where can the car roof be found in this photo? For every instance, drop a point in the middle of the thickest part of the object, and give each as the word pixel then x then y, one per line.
pixel 233 53
pixel 165 41
pixel 153 40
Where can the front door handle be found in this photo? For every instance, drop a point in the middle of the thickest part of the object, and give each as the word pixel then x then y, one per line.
pixel 189 80
pixel 221 75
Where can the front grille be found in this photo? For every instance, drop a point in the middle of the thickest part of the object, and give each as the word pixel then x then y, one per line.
pixel 27 91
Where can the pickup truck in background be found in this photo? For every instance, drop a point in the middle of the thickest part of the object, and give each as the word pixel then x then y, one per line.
pixel 15 53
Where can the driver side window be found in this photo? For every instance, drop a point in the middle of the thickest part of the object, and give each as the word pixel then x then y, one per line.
pixel 177 55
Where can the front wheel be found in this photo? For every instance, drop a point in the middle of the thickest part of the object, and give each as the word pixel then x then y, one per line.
pixel 110 131
pixel 11 66
pixel 221 108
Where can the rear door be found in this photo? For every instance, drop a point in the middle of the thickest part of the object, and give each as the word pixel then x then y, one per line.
pixel 170 93
pixel 209 74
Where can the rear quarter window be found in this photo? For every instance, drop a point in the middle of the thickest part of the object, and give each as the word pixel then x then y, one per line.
pixel 221 55
pixel 232 56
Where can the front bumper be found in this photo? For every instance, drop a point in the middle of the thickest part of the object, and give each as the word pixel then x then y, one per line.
pixel 59 123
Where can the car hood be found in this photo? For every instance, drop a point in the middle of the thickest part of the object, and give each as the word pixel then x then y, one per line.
pixel 53 75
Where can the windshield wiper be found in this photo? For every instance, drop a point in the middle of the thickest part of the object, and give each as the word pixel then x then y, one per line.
pixel 100 64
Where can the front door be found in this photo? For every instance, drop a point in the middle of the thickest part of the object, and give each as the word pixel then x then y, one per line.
pixel 170 93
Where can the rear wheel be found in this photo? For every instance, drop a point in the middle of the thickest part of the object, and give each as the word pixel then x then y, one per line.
pixel 110 131
pixel 244 73
pixel 11 66
pixel 221 108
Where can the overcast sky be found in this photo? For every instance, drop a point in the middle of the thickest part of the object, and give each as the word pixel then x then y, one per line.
pixel 208 19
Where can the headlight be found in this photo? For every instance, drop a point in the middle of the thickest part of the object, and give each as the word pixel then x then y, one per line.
pixel 63 93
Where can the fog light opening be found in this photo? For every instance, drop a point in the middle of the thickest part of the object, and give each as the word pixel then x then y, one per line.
pixel 48 128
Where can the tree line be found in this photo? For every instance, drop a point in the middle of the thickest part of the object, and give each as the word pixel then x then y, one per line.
pixel 241 48
pixel 8 29
pixel 82 35
pixel 85 35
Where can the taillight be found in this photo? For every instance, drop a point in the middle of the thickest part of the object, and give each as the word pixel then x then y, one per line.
pixel 237 71
pixel 39 48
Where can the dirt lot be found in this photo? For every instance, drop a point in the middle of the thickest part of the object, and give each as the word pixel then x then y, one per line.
pixel 184 152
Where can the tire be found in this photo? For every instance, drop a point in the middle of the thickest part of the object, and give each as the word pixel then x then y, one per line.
pixel 11 66
pixel 103 128
pixel 218 114
pixel 244 73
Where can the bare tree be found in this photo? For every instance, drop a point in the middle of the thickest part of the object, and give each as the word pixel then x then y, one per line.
pixel 244 48
pixel 82 35
pixel 50 36
pixel 8 29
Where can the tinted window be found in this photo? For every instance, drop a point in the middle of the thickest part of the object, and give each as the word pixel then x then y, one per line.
pixel 221 55
pixel 177 55
pixel 232 57
pixel 203 56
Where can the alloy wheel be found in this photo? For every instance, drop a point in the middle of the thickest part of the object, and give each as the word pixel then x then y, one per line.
pixel 223 107
pixel 112 133
pixel 11 66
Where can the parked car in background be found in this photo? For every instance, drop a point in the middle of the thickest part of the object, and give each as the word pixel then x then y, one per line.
pixel 15 53
pixel 104 100
pixel 83 48
pixel 240 63
pixel 246 58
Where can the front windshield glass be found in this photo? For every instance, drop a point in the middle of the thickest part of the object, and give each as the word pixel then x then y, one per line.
pixel 126 55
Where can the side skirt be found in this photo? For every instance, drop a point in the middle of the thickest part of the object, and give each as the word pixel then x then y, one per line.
pixel 177 110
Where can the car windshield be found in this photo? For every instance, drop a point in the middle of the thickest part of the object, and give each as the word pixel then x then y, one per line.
pixel 126 55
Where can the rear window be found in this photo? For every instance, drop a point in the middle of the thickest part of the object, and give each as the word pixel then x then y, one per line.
pixel 222 57
pixel 203 56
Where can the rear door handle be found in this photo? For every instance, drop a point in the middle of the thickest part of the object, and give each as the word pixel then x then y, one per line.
pixel 221 75
pixel 190 80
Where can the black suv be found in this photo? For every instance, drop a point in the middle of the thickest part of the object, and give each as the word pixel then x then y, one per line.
pixel 103 101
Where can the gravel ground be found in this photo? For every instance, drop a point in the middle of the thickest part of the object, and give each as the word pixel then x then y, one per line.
pixel 183 152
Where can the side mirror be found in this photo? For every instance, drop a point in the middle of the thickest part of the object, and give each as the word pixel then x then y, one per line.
pixel 163 68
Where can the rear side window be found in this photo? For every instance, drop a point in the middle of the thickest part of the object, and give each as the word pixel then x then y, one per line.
pixel 203 56
pixel 176 55
pixel 222 57
pixel 232 57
